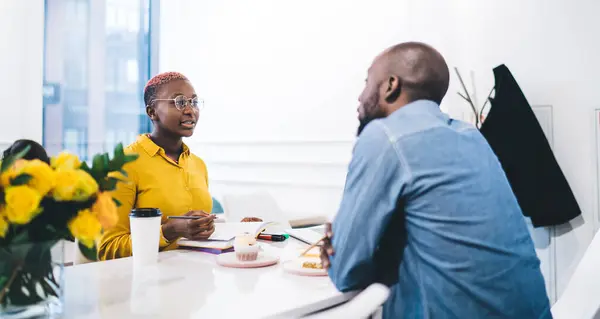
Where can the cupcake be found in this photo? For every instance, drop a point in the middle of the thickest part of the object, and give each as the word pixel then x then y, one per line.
pixel 246 248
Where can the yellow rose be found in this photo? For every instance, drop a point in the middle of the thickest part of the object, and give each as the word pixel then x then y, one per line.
pixel 65 184
pixel 86 187
pixel 85 227
pixel 12 172
pixel 42 176
pixel 76 185
pixel 65 160
pixel 106 210
pixel 3 226
pixel 22 204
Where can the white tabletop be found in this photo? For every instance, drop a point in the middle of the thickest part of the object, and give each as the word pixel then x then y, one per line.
pixel 189 284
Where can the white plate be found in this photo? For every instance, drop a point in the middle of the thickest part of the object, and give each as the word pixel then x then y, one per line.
pixel 230 260
pixel 295 267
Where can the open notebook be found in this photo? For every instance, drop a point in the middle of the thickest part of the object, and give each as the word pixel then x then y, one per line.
pixel 309 235
pixel 222 239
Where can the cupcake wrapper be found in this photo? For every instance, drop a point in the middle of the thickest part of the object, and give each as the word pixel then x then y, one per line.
pixel 247 256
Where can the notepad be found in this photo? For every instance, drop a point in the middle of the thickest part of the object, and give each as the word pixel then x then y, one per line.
pixel 209 246
pixel 309 235
pixel 222 239
pixel 228 231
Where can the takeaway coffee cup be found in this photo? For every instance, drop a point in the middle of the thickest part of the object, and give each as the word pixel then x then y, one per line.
pixel 145 234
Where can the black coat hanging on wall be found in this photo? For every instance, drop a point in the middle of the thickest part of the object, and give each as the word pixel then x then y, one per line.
pixel 513 132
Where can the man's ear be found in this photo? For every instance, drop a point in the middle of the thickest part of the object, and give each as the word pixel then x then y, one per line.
pixel 393 90
pixel 151 113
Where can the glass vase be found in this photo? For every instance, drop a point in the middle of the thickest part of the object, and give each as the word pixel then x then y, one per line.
pixel 31 280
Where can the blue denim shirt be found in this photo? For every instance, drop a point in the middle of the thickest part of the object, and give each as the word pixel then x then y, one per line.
pixel 427 209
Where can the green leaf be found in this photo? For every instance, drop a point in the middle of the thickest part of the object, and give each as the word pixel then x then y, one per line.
pixel 115 178
pixel 21 237
pixel 84 166
pixel 118 158
pixel 98 167
pixel 110 183
pixel 21 180
pixel 51 228
pixel 119 152
pixel 97 163
pixel 10 160
pixel 105 161
pixel 130 158
pixel 122 171
pixel 112 166
pixel 3 280
pixel 89 253
pixel 117 202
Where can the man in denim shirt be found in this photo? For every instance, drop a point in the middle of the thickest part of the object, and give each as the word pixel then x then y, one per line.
pixel 427 208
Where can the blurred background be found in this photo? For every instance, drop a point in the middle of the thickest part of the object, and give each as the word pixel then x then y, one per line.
pixel 280 80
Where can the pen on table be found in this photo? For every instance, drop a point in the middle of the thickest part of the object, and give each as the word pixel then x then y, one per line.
pixel 272 237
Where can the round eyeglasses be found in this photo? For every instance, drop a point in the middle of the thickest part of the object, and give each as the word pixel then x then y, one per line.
pixel 181 101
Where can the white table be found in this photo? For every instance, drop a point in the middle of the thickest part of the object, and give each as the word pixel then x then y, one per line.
pixel 189 284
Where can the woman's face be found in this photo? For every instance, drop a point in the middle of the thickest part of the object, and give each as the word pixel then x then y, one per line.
pixel 173 110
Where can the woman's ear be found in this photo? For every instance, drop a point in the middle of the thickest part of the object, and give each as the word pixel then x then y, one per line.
pixel 394 88
pixel 151 111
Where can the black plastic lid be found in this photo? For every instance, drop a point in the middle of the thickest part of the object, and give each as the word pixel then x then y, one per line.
pixel 145 212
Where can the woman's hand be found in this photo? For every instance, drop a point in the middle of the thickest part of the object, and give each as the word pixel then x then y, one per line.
pixel 195 229
pixel 251 219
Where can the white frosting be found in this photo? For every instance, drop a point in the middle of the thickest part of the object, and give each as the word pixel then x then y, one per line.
pixel 244 240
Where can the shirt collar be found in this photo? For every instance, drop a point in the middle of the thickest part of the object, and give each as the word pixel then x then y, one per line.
pixel 421 106
pixel 152 149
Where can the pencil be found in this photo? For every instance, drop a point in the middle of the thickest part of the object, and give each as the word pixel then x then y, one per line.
pixel 312 246
pixel 189 217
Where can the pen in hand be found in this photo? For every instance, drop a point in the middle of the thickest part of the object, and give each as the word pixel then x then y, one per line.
pixel 190 217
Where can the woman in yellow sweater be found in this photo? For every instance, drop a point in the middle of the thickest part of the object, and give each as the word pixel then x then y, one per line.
pixel 166 175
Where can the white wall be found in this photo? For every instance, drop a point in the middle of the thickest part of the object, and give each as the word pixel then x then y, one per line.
pixel 547 46
pixel 290 77
pixel 281 79
pixel 21 71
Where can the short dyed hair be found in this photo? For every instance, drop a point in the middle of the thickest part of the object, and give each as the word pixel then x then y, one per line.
pixel 36 151
pixel 157 82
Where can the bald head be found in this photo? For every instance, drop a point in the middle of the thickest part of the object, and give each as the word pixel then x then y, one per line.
pixel 402 74
pixel 421 69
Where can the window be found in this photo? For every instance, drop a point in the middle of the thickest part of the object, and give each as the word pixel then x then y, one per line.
pixel 98 58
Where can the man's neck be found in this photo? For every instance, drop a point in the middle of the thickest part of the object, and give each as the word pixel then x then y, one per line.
pixel 391 108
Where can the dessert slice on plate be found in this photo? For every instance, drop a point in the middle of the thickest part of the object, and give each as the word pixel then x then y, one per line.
pixel 312 265
pixel 308 264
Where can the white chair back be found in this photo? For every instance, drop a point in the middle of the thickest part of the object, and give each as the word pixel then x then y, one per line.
pixel 581 298
pixel 364 305
pixel 257 204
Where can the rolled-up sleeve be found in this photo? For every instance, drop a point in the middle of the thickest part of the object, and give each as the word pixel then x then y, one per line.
pixel 116 242
pixel 375 181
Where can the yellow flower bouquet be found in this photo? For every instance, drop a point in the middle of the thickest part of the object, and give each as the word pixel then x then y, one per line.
pixel 40 205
